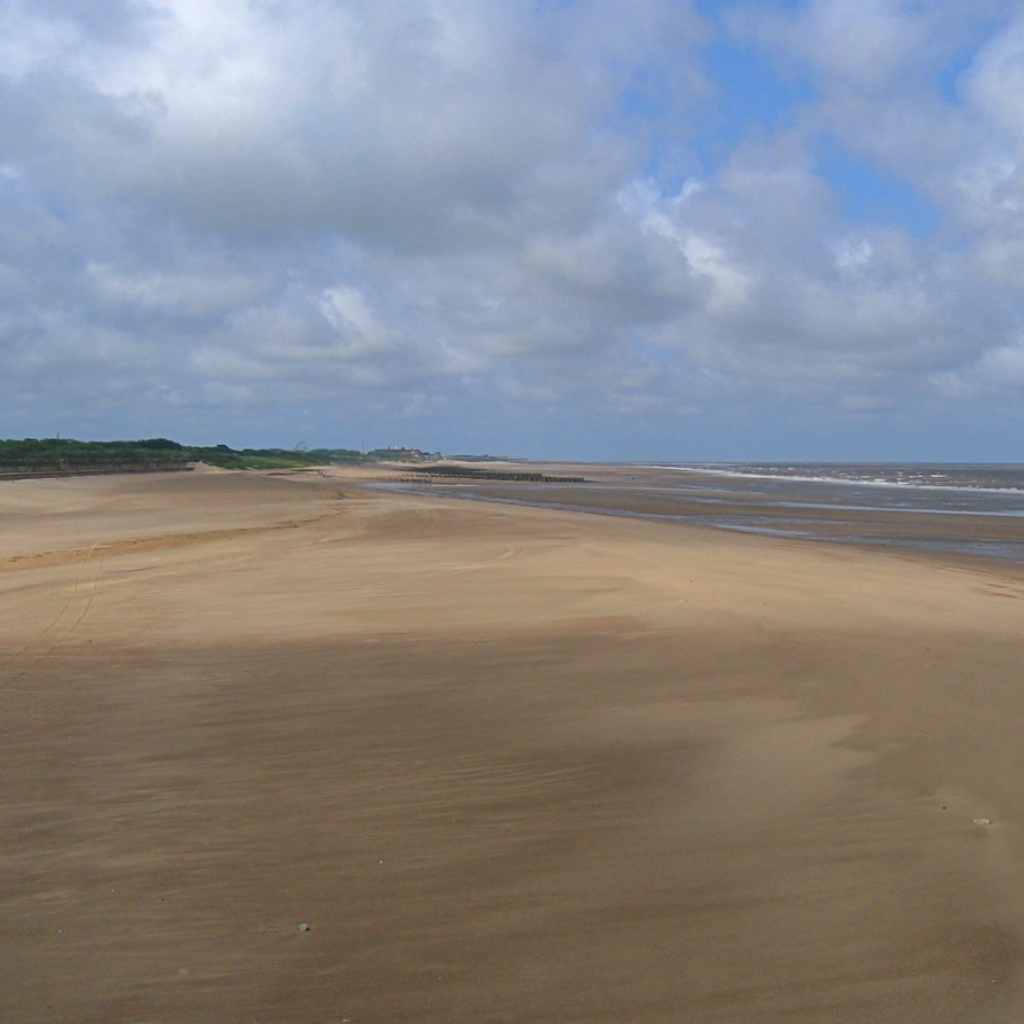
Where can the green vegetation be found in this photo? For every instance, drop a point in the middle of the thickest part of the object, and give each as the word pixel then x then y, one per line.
pixel 57 456
pixel 64 455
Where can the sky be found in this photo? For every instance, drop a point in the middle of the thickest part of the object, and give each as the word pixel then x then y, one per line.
pixel 672 230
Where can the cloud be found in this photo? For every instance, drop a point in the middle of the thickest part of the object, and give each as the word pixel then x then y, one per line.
pixel 188 293
pixel 412 125
pixel 507 213
pixel 864 42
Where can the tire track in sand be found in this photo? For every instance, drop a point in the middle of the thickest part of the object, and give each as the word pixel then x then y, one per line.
pixel 74 610
pixel 473 566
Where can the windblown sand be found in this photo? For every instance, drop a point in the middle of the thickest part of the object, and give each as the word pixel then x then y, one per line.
pixel 508 764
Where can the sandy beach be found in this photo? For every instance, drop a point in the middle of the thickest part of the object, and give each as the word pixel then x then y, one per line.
pixel 506 763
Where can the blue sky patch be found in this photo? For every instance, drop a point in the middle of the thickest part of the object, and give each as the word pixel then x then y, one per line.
pixel 870 195
pixel 947 80
pixel 749 95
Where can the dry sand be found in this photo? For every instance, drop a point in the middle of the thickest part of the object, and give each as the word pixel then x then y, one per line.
pixel 509 764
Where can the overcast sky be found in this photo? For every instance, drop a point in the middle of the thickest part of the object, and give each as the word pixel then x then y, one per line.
pixel 650 229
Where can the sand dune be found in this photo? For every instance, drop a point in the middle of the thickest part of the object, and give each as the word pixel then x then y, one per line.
pixel 509 764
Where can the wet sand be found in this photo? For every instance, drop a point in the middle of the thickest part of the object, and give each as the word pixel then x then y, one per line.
pixel 771 507
pixel 508 764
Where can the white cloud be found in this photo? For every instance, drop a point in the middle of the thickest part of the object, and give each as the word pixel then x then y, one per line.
pixel 410 205
pixel 414 124
pixel 346 310
pixel 995 81
pixel 181 293
pixel 1003 365
pixel 865 42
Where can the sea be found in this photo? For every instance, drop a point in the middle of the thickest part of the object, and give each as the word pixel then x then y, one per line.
pixel 969 510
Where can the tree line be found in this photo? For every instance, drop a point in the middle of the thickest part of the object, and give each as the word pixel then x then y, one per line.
pixel 67 455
